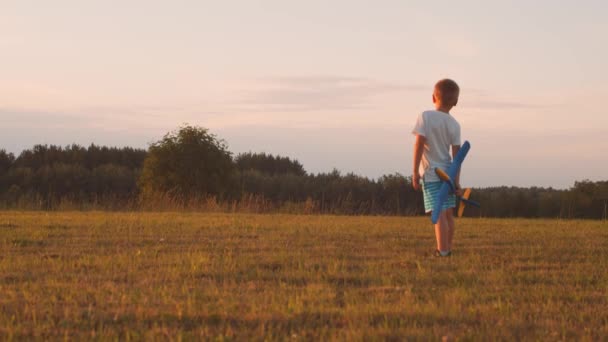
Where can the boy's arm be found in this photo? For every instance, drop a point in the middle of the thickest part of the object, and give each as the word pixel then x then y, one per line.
pixel 418 149
pixel 455 149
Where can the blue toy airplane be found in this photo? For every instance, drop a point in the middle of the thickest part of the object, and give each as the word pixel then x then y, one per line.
pixel 449 187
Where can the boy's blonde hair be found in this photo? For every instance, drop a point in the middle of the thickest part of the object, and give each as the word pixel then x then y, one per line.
pixel 447 91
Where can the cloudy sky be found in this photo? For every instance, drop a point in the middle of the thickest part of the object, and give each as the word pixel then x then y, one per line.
pixel 335 84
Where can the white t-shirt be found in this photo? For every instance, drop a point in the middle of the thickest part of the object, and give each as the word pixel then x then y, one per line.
pixel 441 131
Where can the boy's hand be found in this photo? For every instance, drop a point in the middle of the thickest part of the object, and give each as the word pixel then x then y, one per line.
pixel 459 191
pixel 418 149
pixel 416 182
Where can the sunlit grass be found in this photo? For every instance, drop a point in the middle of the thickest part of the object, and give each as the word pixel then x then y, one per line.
pixel 235 276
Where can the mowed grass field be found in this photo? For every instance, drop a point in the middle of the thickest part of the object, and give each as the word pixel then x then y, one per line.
pixel 186 276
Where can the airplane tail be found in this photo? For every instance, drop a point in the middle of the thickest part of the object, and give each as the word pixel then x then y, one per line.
pixel 463 202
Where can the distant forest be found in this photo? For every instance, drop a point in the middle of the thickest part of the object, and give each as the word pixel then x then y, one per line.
pixel 49 177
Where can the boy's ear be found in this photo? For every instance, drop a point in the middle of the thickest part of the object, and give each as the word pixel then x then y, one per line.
pixel 455 103
pixel 434 98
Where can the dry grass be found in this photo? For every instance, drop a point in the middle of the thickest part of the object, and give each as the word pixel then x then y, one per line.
pixel 276 277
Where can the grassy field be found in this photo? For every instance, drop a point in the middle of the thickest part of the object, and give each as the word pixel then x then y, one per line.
pixel 235 277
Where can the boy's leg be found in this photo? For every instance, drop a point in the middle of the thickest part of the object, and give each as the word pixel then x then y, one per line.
pixel 442 233
pixel 451 227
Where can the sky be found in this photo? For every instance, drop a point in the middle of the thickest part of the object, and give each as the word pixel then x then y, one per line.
pixel 333 84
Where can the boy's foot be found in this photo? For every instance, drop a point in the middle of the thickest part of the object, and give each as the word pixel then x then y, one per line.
pixel 438 253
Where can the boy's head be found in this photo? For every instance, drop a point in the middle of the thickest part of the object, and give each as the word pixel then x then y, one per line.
pixel 446 93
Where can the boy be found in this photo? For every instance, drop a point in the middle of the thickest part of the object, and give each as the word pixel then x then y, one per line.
pixel 435 131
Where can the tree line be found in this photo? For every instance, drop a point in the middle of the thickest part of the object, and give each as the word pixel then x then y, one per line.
pixel 191 165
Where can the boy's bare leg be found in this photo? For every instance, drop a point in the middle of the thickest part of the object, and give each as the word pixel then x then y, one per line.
pixel 442 233
pixel 451 227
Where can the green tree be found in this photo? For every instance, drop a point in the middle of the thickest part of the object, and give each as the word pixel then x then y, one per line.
pixel 6 161
pixel 269 164
pixel 187 162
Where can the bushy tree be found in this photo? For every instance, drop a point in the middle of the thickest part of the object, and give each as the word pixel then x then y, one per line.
pixel 187 162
